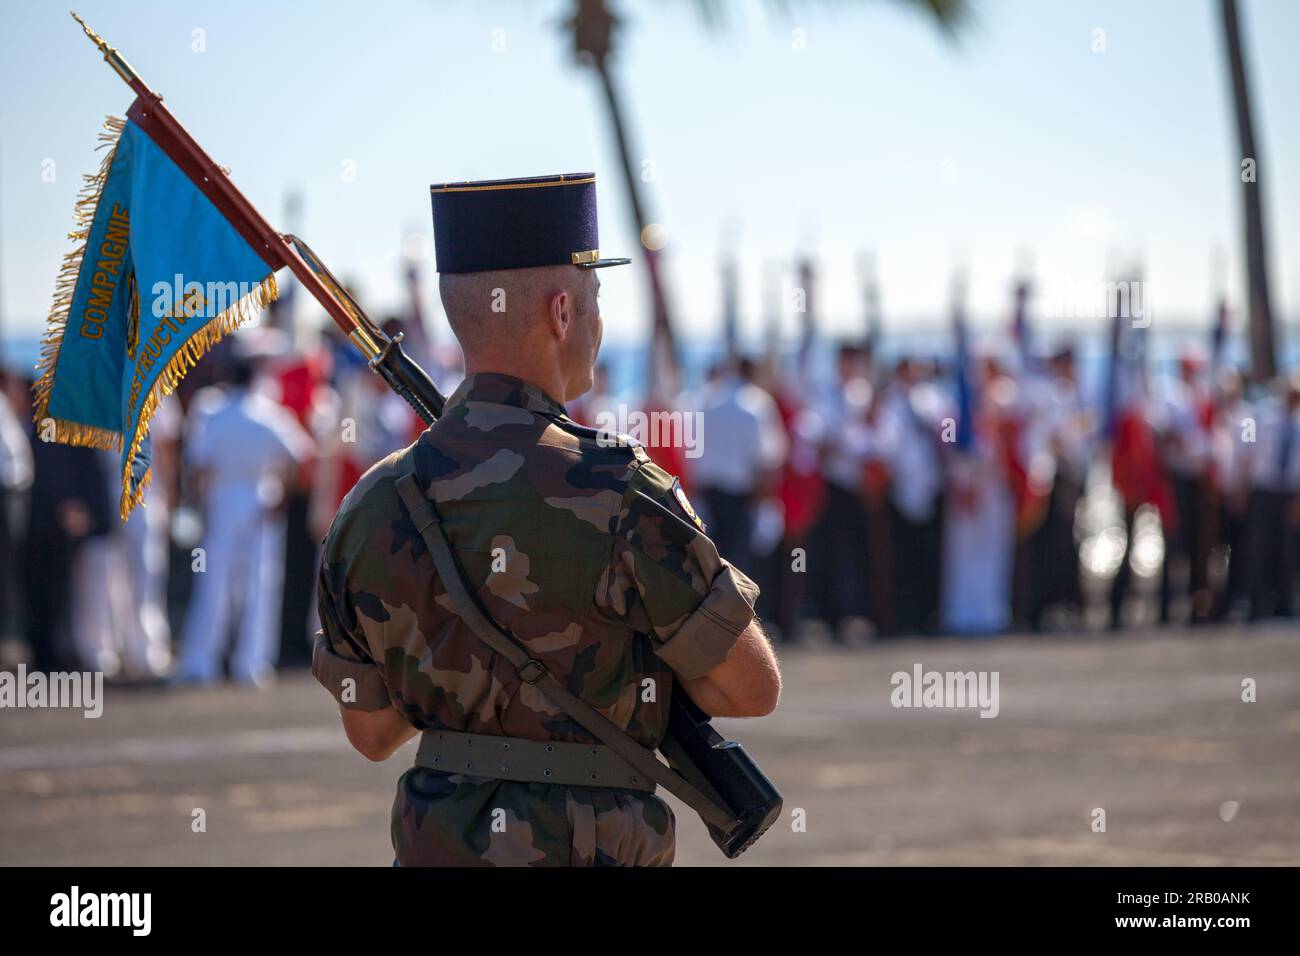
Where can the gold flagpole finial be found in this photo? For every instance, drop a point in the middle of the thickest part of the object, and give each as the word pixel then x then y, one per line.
pixel 113 58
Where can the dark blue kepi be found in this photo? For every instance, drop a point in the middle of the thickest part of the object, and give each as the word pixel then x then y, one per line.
pixel 517 224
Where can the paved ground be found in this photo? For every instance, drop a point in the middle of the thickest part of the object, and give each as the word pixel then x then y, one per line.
pixel 1150 728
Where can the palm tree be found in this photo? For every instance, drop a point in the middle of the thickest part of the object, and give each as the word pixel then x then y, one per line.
pixel 1263 354
pixel 592 27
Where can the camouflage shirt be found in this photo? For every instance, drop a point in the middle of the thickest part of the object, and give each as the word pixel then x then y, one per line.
pixel 588 553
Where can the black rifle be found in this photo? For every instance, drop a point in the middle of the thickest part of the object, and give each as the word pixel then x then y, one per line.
pixel 722 770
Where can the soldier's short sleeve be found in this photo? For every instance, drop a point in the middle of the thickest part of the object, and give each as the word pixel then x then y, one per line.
pixel 340 661
pixel 666 578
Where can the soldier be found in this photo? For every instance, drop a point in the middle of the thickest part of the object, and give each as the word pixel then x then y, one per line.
pixel 741 460
pixel 578 545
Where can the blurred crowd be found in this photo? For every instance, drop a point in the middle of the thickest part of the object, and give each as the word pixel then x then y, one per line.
pixel 975 494
pixel 214 576
pixel 911 497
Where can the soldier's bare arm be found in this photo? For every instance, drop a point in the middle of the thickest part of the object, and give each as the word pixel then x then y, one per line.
pixel 341 661
pixel 376 734
pixel 667 577
pixel 746 684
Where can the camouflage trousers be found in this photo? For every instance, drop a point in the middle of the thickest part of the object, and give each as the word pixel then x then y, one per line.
pixel 444 819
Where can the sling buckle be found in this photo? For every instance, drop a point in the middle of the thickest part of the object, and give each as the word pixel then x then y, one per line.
pixel 531 671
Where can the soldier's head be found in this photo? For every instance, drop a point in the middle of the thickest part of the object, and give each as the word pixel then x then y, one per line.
pixel 516 262
pixel 541 324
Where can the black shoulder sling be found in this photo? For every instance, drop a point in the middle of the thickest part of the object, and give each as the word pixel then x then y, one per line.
pixel 714 777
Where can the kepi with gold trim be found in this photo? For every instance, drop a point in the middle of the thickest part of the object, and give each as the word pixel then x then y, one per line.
pixel 517 224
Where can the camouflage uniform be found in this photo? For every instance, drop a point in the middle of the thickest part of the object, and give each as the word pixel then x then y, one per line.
pixel 590 555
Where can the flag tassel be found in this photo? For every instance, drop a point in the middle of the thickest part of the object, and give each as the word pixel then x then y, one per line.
pixel 195 347
pixel 74 433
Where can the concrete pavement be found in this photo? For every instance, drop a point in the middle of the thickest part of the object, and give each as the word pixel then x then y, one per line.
pixel 1149 728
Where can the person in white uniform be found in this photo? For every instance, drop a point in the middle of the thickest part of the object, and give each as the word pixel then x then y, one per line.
pixel 120 588
pixel 1185 443
pixel 914 410
pixel 1058 442
pixel 743 448
pixel 847 438
pixel 1231 463
pixel 16 473
pixel 240 449
pixel 980 516
pixel 1273 465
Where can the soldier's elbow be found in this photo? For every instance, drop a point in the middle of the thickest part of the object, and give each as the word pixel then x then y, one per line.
pixel 743 686
pixel 375 735
pixel 372 749
pixel 758 690
pixel 763 699
pixel 757 699
pixel 375 754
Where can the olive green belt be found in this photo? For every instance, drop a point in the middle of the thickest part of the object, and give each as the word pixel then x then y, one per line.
pixel 527 761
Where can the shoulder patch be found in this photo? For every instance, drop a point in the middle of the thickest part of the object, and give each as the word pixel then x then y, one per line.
pixel 682 500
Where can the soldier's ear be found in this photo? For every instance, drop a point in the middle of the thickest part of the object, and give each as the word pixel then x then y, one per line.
pixel 559 313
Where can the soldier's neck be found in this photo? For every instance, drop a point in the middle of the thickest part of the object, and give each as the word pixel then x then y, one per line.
pixel 547 378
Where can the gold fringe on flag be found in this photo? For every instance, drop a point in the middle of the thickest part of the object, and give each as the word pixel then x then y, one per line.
pixel 187 356
pixel 74 433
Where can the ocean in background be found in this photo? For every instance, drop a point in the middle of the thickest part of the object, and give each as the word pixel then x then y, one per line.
pixel 627 362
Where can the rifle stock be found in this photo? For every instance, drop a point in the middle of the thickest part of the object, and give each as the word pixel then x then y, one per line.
pixel 723 771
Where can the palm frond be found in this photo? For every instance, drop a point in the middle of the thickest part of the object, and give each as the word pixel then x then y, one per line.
pixel 948 15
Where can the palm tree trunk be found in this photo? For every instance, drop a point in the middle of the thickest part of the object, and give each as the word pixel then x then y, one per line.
pixel 1263 357
pixel 663 345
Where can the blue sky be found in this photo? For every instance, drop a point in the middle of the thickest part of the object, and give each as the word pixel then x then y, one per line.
pixel 1015 144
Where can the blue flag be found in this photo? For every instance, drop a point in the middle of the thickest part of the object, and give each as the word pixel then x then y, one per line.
pixel 159 277
pixel 965 437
